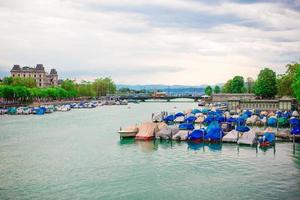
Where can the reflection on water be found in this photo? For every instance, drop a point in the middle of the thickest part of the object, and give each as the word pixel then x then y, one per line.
pixel 149 146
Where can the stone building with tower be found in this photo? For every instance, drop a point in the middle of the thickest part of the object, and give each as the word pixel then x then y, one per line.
pixel 43 78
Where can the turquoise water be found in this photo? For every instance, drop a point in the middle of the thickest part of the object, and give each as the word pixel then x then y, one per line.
pixel 78 155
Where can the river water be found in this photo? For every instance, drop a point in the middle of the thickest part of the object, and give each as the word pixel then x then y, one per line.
pixel 78 155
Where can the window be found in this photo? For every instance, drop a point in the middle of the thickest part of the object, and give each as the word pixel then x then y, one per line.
pixel 40 75
pixel 40 85
pixel 24 75
pixel 13 75
pixel 40 80
pixel 35 75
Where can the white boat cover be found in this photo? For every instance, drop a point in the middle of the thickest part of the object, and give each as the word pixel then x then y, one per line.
pixel 251 120
pixel 295 113
pixel 157 117
pixel 248 137
pixel 179 119
pixel 230 136
pixel 167 132
pixel 181 135
pixel 146 130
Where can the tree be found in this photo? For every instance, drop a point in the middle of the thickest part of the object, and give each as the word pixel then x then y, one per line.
pixel 296 84
pixel 227 86
pixel 265 85
pixel 285 81
pixel 237 85
pixel 208 90
pixel 68 85
pixel 217 89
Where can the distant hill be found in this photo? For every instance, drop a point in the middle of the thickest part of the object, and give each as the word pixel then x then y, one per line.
pixel 170 89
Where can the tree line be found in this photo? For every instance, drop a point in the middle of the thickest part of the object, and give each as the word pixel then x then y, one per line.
pixel 267 85
pixel 25 89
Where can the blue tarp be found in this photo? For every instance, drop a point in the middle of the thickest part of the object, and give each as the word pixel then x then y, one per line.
pixel 204 111
pixel 220 118
pixel 267 137
pixel 195 111
pixel 295 130
pixel 169 118
pixel 248 113
pixel 186 126
pixel 213 131
pixel 196 134
pixel 231 120
pixel 242 129
pixel 272 121
pixel 179 114
pixel 190 119
pixel 295 122
pixel 209 119
pixel 240 121
pixel 40 111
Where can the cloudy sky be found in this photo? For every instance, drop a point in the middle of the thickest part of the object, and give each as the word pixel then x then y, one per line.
pixel 188 42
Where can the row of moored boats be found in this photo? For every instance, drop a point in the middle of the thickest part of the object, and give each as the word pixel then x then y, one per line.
pixel 215 125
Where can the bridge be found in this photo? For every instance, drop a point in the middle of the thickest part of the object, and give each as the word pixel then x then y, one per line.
pixel 167 98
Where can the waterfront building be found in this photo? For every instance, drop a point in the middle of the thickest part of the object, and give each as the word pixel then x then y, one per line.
pixel 263 104
pixel 43 79
pixel 224 97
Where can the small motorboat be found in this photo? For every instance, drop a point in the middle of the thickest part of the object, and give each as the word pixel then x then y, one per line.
pixel 267 140
pixel 146 131
pixel 197 135
pixel 130 131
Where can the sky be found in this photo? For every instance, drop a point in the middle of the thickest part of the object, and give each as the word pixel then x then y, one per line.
pixel 186 42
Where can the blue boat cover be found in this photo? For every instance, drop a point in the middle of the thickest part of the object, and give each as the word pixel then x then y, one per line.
pixel 179 114
pixel 287 114
pixel 231 120
pixel 272 121
pixel 267 137
pixel 240 121
pixel 242 129
pixel 195 111
pixel 169 118
pixel 41 111
pixel 186 126
pixel 196 134
pixel 220 118
pixel 204 111
pixel 295 130
pixel 213 131
pixel 248 113
pixel 209 119
pixel 295 122
pixel 190 119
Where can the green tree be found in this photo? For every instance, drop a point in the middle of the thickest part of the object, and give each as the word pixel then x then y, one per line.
pixel 296 84
pixel 285 81
pixel 227 86
pixel 68 85
pixel 217 89
pixel 27 82
pixel 237 84
pixel 265 85
pixel 208 90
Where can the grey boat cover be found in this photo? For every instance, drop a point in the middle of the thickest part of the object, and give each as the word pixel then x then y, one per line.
pixel 230 136
pixel 181 135
pixel 167 132
pixel 248 137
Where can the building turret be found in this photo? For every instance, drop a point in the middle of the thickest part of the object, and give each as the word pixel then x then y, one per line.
pixel 40 67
